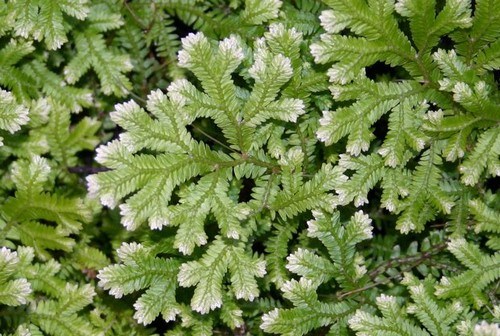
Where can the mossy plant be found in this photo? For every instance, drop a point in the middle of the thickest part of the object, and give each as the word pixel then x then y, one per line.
pixel 249 167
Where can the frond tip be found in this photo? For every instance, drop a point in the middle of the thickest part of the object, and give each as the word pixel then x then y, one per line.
pixel 12 114
pixel 14 290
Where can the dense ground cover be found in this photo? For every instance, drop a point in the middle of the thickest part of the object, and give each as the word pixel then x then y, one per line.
pixel 187 167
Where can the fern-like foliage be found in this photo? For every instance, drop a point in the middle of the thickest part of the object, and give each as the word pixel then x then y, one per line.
pixel 341 263
pixel 14 289
pixel 185 182
pixel 24 212
pixel 425 314
pixel 218 19
pixel 56 315
pixel 140 270
pixel 46 239
pixel 470 285
pixel 93 53
pixel 487 220
pixel 151 33
pixel 12 114
pixel 48 21
pixel 431 317
pixel 312 167
pixel 42 302
pixel 438 107
pixel 44 20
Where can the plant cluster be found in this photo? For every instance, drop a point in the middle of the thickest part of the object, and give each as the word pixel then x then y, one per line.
pixel 249 167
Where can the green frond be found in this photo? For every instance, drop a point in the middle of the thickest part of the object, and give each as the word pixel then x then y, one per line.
pixel 165 133
pixel 435 316
pixel 140 270
pixel 302 15
pixel 207 275
pixel 219 100
pixel 452 66
pixel 158 299
pixel 395 184
pixel 460 213
pixel 193 323
pixel 489 57
pixel 310 266
pixel 87 257
pixel 68 213
pixel 104 15
pixel 345 267
pixel 313 193
pixel 216 21
pixel 74 298
pixel 435 319
pixel 284 41
pixel 231 314
pixel 309 313
pixel 55 305
pixel 426 196
pixel 28 330
pixel 30 205
pixel 30 176
pixel 44 20
pixel 340 49
pixel 483 156
pixel 377 29
pixel 277 248
pixel 270 72
pixel 340 241
pixel 42 237
pixel 75 99
pixel 487 220
pixel 52 319
pixel 256 12
pixel 470 285
pixel 476 99
pixel 209 195
pixel 11 77
pixel 427 27
pixel 163 35
pixel 368 172
pixel 404 133
pixel 455 129
pixel 156 177
pixel 216 80
pixel 131 38
pixel 12 114
pixel 43 277
pixel 149 37
pixel 14 290
pixel 5 17
pixel 109 65
pixel 392 323
pixel 64 142
pixel 485 24
pixel 373 100
pixel 229 214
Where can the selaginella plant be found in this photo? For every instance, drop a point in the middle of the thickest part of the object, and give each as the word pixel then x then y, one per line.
pixel 207 179
pixel 435 163
pixel 229 159
pixel 311 168
pixel 47 256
